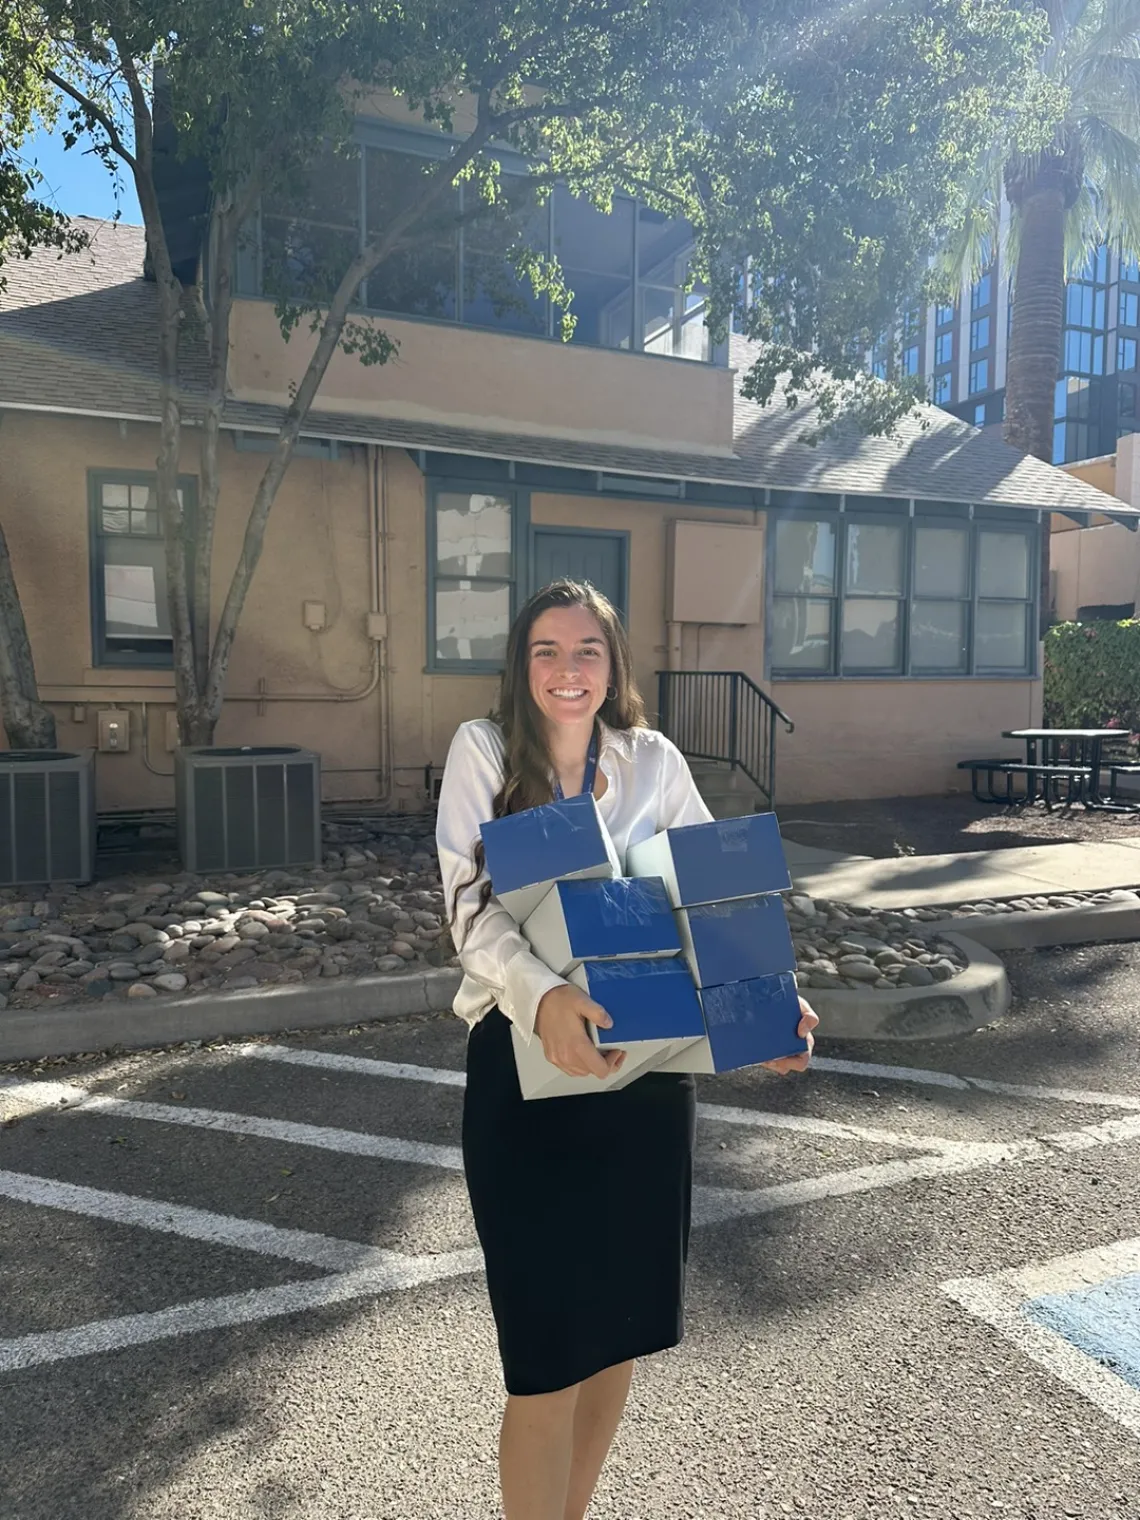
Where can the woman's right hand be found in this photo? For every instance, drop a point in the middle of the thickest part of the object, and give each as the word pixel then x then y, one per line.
pixel 561 1024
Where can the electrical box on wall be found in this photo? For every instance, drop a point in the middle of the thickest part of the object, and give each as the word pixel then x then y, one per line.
pixel 114 731
pixel 715 573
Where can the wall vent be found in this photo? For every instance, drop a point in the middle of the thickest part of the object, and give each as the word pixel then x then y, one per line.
pixel 47 816
pixel 251 808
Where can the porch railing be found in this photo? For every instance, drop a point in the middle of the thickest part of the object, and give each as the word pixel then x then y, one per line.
pixel 722 715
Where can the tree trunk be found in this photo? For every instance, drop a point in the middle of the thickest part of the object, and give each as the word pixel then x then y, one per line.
pixel 1035 339
pixel 196 727
pixel 27 722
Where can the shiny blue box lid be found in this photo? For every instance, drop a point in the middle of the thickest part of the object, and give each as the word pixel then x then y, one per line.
pixel 754 1021
pixel 647 1000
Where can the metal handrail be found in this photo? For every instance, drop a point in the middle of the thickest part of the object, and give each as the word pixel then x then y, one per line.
pixel 723 716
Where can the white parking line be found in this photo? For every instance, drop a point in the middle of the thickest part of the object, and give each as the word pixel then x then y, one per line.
pixel 232 1309
pixel 349 1142
pixel 920 1075
pixel 718 1112
pixel 194 1224
pixel 1003 1299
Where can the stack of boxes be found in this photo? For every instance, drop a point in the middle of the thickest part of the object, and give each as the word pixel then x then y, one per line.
pixel 689 954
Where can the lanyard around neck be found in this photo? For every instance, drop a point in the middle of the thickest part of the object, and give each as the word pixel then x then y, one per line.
pixel 590 774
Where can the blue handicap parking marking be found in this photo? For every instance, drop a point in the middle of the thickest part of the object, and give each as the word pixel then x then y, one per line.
pixel 1103 1321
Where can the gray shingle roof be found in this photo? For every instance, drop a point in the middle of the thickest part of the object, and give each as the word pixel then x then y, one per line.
pixel 76 335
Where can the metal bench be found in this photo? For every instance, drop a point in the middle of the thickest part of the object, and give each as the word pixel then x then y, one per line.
pixel 1115 771
pixel 1078 779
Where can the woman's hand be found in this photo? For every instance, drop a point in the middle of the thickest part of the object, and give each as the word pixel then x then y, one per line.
pixel 561 1024
pixel 787 1064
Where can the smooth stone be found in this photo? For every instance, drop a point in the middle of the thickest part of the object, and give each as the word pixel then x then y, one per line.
pixel 170 981
pixel 110 921
pixel 860 971
pixel 917 976
pixel 121 972
pixel 140 989
pixel 29 980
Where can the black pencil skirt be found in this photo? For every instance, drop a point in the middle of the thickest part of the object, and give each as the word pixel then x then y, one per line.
pixel 582 1206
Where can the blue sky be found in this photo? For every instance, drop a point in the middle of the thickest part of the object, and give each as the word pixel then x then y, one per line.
pixel 76 182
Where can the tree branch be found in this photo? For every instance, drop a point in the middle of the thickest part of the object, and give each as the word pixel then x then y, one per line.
pixel 96 113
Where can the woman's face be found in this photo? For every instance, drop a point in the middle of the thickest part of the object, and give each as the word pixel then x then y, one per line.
pixel 569 665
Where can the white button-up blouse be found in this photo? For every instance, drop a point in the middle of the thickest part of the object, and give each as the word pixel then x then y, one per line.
pixel 649 789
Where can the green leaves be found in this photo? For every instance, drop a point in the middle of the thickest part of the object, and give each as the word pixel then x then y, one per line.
pixel 1092 675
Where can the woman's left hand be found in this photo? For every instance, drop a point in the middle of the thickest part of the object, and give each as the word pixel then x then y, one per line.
pixel 787 1064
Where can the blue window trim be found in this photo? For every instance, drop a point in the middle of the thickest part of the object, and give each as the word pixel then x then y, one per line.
pixel 580 532
pixel 520 563
pixel 101 656
pixel 977 522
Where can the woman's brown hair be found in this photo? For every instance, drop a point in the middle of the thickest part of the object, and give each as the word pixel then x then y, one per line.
pixel 526 764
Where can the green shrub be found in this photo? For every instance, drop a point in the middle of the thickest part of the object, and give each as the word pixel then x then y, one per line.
pixel 1092 676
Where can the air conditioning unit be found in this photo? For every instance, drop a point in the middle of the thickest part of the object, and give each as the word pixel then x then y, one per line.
pixel 248 809
pixel 47 816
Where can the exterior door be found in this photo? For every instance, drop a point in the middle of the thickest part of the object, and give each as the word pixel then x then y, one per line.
pixel 597 557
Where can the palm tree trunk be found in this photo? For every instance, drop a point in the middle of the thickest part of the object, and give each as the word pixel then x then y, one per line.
pixel 1035 339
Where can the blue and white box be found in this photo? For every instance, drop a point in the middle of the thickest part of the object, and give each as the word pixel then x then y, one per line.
pixel 736 941
pixel 746 1023
pixel 528 852
pixel 602 920
pixel 655 1012
pixel 715 862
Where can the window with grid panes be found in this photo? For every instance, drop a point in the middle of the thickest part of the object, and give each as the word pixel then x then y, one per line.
pixel 867 597
pixel 130 614
pixel 473 577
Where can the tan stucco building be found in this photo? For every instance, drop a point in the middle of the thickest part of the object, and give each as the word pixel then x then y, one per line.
pixel 1096 571
pixel 882 591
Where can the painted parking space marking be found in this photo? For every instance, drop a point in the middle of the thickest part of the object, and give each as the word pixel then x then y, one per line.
pixel 348 1141
pixel 233 1309
pixel 922 1076
pixel 1077 1316
pixel 721 1113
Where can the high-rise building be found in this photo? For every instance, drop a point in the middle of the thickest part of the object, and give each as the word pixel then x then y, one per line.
pixel 963 349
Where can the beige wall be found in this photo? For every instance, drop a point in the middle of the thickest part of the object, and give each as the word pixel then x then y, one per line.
pixel 369 708
pixel 1095 567
pixel 286 684
pixel 469 378
pixel 856 739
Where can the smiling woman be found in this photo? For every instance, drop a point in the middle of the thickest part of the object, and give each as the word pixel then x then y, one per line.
pixel 582 1204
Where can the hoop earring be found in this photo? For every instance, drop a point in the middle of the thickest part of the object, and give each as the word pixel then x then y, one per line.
pixel 611 693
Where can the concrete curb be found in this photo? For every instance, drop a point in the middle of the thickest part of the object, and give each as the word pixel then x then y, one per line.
pixel 1093 923
pixel 975 997
pixel 28 1034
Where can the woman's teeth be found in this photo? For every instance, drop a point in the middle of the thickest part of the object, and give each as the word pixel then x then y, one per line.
pixel 571 692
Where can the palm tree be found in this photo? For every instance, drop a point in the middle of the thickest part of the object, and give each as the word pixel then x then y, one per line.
pixel 1080 190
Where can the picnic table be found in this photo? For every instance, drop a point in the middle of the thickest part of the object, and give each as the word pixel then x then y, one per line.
pixel 1062 766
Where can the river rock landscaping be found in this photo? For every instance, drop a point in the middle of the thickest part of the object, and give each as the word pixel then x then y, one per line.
pixel 374 906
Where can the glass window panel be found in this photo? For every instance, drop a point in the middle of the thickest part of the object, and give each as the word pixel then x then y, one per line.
pixel 304 260
pixel 944 348
pixel 944 314
pixel 1098 356
pixel 1003 564
pixel 116 520
pixel 979 333
pixel 1059 443
pixel 980 294
pixel 142 498
pixel 979 376
pixel 980 414
pixel 588 239
pixel 1129 309
pixel 393 182
pixel 942 387
pixel 1001 636
pixel 473 535
pixel 471 620
pixel 1126 353
pixel 116 495
pixel 875 558
pixel 663 247
pixel 494 295
pixel 872 634
pixel 328 193
pixel 805 557
pixel 911 361
pixel 419 280
pixel 941 562
pixel 673 322
pixel 134 591
pixel 801 634
pixel 938 636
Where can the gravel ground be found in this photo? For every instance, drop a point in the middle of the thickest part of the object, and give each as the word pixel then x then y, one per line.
pixel 892 826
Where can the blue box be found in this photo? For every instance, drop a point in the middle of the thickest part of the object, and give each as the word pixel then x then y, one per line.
pixel 746 1023
pixel 715 862
pixel 736 941
pixel 528 852
pixel 596 920
pixel 647 1000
